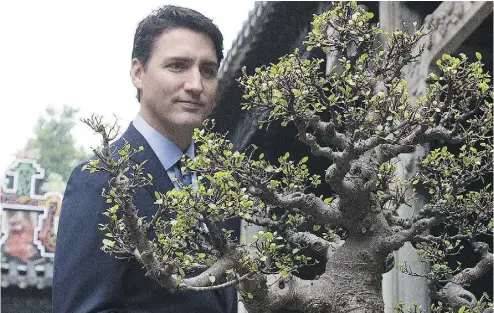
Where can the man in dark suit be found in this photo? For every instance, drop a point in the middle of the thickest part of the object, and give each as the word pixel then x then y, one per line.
pixel 174 67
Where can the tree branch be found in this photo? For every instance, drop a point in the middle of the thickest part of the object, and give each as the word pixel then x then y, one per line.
pixel 456 296
pixel 227 261
pixel 308 203
pixel 335 175
pixel 306 239
pixel 138 237
pixel 386 152
pixel 465 277
pixel 441 133
pixel 395 241
pixel 273 293
pixel 328 132
pixel 262 221
pixel 230 283
pixel 454 292
pixel 217 236
pixel 311 141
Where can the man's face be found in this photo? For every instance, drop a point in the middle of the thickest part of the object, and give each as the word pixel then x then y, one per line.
pixel 178 84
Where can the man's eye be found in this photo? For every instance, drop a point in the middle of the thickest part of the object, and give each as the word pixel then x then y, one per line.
pixel 177 66
pixel 210 72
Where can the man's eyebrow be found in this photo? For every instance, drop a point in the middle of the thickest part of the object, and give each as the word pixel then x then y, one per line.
pixel 178 59
pixel 210 63
pixel 186 59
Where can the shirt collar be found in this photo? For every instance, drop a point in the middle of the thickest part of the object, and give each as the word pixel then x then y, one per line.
pixel 167 152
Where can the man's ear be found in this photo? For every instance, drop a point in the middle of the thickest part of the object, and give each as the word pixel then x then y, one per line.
pixel 136 71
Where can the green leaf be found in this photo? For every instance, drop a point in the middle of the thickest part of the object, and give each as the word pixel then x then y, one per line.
pixel 107 243
pixel 212 279
pixel 316 227
pixel 478 55
pixel 113 209
pixel 328 200
pixel 269 236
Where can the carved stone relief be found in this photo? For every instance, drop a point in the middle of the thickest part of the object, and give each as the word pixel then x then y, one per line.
pixel 450 25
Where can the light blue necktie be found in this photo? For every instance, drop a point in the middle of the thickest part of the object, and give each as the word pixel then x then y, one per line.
pixel 186 177
pixel 186 180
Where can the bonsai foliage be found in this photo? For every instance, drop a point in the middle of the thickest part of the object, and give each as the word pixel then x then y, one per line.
pixel 361 119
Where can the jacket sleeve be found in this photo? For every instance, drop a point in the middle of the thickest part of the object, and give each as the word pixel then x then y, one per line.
pixel 85 279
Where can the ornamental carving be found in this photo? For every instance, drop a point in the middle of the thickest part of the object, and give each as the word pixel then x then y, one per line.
pixel 450 24
pixel 29 222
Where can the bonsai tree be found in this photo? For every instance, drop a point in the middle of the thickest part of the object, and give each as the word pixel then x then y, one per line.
pixel 360 118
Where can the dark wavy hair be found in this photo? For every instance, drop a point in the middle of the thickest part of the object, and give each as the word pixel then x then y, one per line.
pixel 168 17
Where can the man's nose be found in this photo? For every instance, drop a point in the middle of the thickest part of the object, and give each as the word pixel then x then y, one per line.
pixel 193 82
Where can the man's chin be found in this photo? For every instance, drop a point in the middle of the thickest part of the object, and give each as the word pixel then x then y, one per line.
pixel 192 121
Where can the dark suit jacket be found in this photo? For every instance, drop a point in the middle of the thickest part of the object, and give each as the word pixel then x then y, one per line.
pixel 87 280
